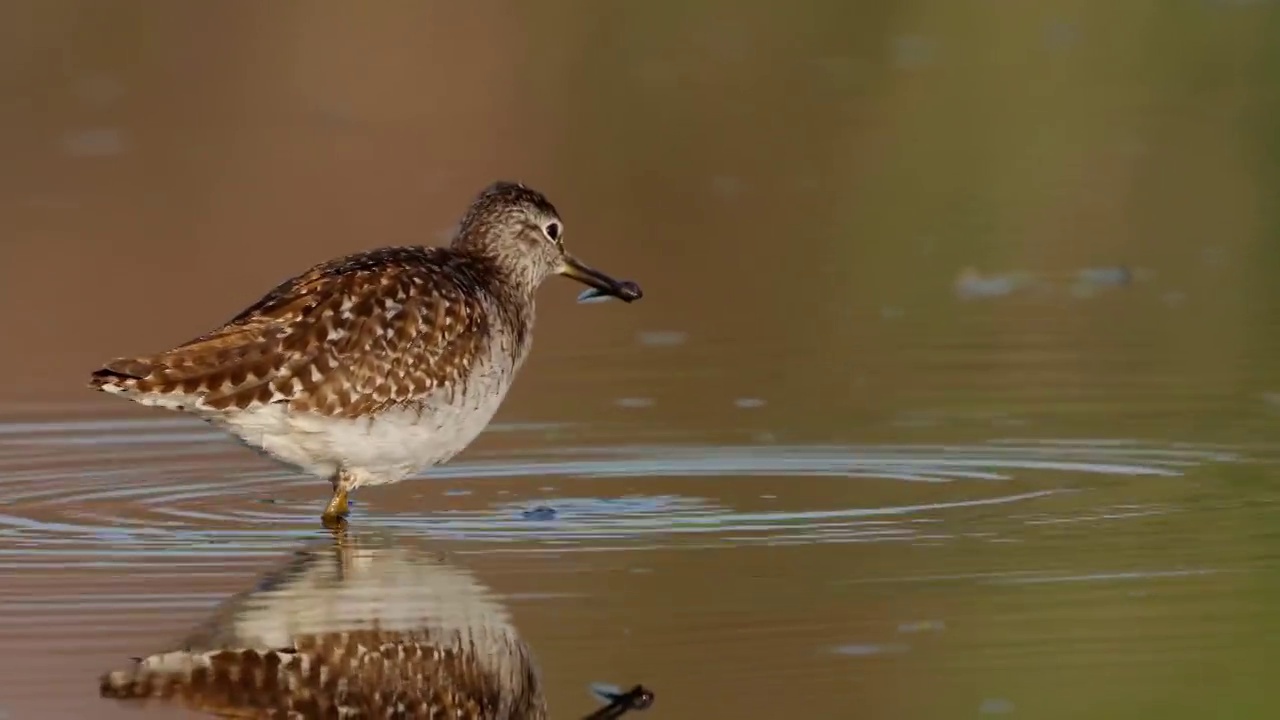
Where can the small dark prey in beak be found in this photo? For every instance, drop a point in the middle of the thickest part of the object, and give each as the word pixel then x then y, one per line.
pixel 601 285
pixel 620 703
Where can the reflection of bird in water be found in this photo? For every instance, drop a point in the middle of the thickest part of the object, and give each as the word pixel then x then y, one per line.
pixel 356 630
pixel 369 368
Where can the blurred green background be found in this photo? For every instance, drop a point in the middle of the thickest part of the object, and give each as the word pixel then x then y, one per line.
pixel 939 222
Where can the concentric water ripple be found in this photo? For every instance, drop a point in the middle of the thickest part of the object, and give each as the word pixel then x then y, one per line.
pixel 174 486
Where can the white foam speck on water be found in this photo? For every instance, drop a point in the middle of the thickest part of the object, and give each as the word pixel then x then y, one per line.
pixel 634 403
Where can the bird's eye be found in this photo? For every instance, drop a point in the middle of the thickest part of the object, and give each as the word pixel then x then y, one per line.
pixel 553 231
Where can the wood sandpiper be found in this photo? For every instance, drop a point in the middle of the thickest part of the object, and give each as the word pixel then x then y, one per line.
pixel 371 367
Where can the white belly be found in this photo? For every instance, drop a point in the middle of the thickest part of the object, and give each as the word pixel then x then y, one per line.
pixel 379 449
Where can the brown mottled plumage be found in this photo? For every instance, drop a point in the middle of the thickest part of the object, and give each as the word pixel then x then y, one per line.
pixel 348 338
pixel 371 367
pixel 353 631
pixel 361 674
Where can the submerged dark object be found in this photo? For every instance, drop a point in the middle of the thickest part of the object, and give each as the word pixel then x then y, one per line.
pixel 542 512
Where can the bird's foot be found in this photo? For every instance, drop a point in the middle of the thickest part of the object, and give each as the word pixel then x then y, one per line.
pixel 335 513
pixel 334 523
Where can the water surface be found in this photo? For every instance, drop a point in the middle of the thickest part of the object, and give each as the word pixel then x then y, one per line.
pixel 953 392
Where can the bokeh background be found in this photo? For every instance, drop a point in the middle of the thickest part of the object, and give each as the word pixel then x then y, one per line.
pixel 1033 241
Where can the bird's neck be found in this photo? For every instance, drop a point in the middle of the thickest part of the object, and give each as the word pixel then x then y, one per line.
pixel 511 291
pixel 510 268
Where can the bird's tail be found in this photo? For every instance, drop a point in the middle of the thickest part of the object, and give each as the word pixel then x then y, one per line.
pixel 126 375
pixel 148 381
pixel 232 364
pixel 215 680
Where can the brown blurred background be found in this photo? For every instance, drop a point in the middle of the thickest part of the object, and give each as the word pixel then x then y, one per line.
pixel 776 170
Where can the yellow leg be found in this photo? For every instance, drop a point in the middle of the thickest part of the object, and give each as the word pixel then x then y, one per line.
pixel 335 513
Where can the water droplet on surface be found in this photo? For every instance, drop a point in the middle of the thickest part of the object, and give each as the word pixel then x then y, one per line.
pixel 868 649
pixel 634 403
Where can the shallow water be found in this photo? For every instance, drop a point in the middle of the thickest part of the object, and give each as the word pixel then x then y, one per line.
pixel 954 391
pixel 912 579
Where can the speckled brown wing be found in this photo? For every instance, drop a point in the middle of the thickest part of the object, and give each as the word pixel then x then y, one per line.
pixel 361 674
pixel 347 338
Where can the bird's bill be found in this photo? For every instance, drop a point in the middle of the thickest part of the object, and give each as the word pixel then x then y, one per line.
pixel 601 285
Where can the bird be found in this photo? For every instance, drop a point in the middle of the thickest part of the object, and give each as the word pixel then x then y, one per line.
pixel 371 367
pixel 359 627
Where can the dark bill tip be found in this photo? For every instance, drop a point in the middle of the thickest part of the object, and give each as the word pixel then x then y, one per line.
pixel 601 285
